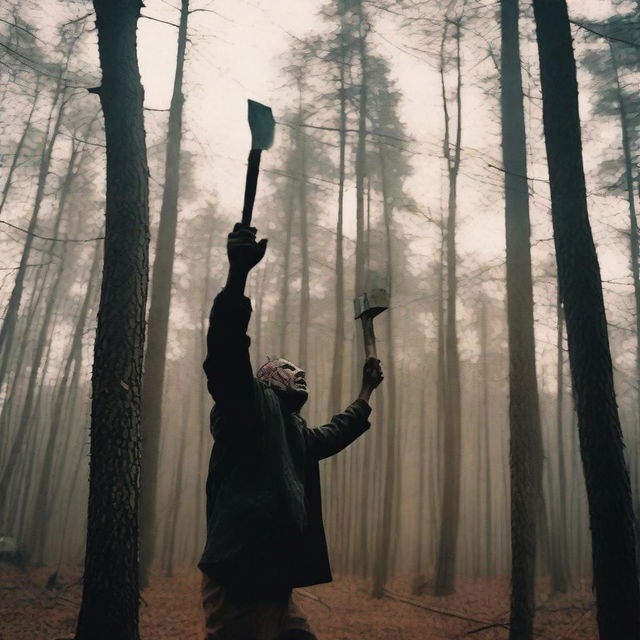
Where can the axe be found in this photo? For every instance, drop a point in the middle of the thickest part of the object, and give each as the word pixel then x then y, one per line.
pixel 262 127
pixel 367 307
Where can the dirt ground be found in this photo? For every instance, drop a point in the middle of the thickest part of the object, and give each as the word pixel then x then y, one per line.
pixel 343 610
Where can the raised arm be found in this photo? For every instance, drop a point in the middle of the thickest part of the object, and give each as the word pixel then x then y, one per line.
pixel 345 427
pixel 227 365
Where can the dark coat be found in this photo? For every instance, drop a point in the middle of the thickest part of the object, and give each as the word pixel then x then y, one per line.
pixel 264 510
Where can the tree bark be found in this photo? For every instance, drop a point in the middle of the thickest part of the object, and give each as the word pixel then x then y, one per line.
pixel 383 556
pixel 110 597
pixel 335 392
pixel 337 361
pixel 418 583
pixel 170 543
pixel 159 308
pixel 608 488
pixel 560 570
pixel 286 272
pixel 304 238
pixel 446 563
pixel 361 149
pixel 524 412
pixel 634 241
pixel 488 534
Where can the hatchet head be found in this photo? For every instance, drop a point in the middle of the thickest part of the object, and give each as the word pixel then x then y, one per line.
pixel 371 303
pixel 262 125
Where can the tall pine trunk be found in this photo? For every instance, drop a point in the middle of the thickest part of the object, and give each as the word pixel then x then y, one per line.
pixel 417 585
pixel 110 596
pixel 361 151
pixel 383 561
pixel 448 542
pixel 560 567
pixel 524 412
pixel 335 391
pixel 615 572
pixel 486 428
pixel 634 246
pixel 286 271
pixel 301 145
pixel 337 361
pixel 160 305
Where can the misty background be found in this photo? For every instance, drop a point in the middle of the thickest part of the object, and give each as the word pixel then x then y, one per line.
pixel 284 54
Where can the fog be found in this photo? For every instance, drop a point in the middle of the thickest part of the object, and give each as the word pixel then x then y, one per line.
pixel 284 54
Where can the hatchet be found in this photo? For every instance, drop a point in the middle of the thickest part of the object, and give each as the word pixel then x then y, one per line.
pixel 367 307
pixel 262 127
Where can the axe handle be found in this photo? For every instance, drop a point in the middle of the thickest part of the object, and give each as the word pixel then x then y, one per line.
pixel 250 185
pixel 369 336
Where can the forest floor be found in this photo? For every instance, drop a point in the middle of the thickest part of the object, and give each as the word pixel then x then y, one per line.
pixel 343 610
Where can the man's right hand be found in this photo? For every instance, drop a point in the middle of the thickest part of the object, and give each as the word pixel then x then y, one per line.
pixel 242 249
pixel 372 376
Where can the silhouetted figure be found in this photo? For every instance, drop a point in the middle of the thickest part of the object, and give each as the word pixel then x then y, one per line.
pixel 265 533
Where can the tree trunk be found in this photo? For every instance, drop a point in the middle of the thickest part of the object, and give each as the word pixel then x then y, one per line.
pixel 159 308
pixel 335 391
pixel 441 372
pixel 524 412
pixel 446 564
pixel 615 572
pixel 304 240
pixel 176 501
pixel 418 583
pixel 383 556
pixel 286 272
pixel 337 361
pixel 361 150
pixel 110 597
pixel 634 245
pixel 488 532
pixel 560 570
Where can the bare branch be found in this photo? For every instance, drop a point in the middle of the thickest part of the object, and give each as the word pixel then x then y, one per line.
pixel 172 24
pixel 36 235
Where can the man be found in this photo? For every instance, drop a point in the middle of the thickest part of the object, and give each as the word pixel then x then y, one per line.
pixel 265 534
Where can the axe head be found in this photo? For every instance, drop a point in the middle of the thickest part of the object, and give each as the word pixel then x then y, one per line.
pixel 371 303
pixel 262 125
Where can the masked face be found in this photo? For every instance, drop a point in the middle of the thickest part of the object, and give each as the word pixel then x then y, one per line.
pixel 287 380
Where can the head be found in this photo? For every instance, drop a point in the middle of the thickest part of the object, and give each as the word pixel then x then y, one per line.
pixel 287 380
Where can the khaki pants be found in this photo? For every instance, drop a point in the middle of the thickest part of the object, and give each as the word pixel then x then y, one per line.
pixel 232 614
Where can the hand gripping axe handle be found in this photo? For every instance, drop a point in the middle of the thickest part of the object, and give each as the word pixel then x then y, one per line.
pixel 367 307
pixel 262 127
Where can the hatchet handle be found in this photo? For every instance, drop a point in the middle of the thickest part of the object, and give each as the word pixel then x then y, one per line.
pixel 369 336
pixel 250 185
